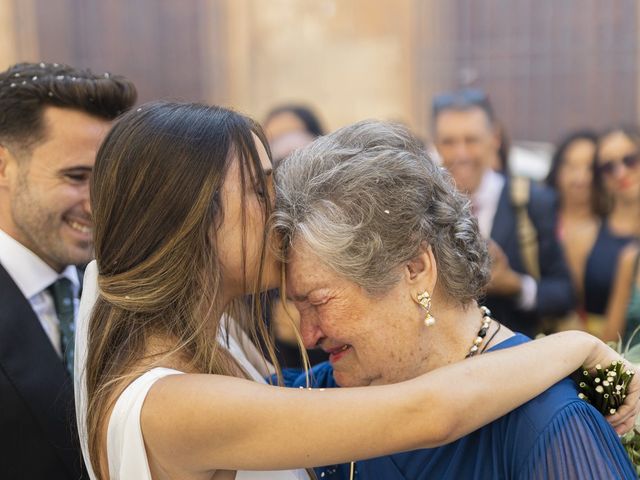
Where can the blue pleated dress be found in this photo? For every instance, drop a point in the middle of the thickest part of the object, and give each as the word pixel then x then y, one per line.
pixel 555 436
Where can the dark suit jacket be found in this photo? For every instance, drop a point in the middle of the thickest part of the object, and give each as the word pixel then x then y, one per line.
pixel 555 294
pixel 38 438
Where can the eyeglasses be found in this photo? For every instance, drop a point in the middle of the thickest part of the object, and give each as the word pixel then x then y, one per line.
pixel 469 97
pixel 629 161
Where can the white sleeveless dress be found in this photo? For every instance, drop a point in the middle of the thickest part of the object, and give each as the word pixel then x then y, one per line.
pixel 125 445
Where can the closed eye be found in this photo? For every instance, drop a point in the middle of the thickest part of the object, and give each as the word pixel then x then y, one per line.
pixel 77 178
pixel 77 175
pixel 319 303
pixel 259 191
pixel 302 306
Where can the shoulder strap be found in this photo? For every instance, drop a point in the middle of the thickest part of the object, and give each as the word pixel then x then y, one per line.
pixel 520 190
pixel 127 457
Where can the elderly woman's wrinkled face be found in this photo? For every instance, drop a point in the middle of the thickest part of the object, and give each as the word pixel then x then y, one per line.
pixel 370 340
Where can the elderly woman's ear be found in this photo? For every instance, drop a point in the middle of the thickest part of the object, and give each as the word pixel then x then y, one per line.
pixel 421 272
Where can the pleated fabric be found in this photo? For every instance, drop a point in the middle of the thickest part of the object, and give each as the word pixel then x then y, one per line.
pixel 555 436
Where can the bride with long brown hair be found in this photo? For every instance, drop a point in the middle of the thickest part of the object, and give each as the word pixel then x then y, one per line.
pixel 181 197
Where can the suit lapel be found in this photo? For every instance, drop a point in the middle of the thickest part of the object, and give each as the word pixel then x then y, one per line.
pixel 503 222
pixel 505 230
pixel 34 368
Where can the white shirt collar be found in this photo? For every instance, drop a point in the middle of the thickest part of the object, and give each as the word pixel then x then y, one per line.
pixel 490 187
pixel 486 198
pixel 30 273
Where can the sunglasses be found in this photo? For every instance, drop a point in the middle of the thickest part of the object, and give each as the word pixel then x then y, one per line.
pixel 629 161
pixel 469 97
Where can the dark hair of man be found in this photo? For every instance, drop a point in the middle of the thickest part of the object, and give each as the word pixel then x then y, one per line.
pixel 26 89
pixel 463 100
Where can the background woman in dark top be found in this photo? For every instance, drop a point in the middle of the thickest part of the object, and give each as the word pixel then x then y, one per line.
pixel 618 177
pixel 623 309
pixel 579 208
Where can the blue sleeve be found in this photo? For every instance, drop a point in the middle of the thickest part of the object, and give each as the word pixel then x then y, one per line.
pixel 555 291
pixel 289 377
pixel 581 434
pixel 320 376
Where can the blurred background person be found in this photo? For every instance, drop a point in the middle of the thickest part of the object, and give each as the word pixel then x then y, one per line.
pixel 623 308
pixel 617 176
pixel 289 127
pixel 529 277
pixel 501 160
pixel 579 213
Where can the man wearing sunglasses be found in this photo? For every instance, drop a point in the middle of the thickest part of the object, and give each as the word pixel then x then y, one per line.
pixel 467 140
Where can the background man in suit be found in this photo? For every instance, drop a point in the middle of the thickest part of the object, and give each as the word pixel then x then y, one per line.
pixel 468 143
pixel 52 119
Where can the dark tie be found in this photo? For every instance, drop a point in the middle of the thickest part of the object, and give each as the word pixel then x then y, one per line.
pixel 62 291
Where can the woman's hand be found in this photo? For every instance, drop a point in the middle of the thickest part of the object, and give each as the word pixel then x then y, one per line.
pixel 624 418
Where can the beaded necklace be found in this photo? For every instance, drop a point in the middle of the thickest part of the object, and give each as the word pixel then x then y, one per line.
pixel 482 333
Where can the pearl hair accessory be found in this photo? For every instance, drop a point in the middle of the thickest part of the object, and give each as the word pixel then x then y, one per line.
pixel 17 79
pixel 14 82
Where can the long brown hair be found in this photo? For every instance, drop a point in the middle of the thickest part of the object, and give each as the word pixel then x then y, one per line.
pixel 155 202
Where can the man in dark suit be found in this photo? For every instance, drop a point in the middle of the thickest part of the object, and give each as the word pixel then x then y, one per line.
pixel 52 120
pixel 519 293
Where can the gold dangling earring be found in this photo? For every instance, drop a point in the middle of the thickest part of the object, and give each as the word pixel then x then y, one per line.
pixel 424 299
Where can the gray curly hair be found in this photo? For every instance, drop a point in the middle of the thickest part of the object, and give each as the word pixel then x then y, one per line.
pixel 367 197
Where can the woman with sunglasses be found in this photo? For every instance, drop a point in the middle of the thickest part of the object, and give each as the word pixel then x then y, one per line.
pixel 617 176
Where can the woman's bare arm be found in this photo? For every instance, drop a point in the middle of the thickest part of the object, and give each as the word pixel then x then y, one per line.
pixel 199 423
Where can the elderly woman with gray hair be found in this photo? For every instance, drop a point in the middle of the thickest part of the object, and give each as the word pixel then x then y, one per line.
pixel 385 265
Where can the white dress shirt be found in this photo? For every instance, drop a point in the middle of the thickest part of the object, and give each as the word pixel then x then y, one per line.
pixel 33 276
pixel 485 200
pixel 485 205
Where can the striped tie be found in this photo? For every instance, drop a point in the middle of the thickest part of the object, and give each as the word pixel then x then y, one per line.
pixel 62 291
